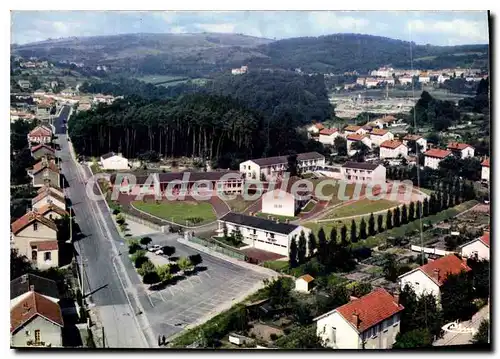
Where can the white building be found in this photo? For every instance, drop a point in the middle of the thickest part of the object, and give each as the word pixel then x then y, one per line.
pixel 327 136
pixel 393 149
pixel 378 136
pixel 371 82
pixel 430 277
pixel 315 128
pixel 485 170
pixel 304 283
pixel 370 322
pixel 361 81
pixel 424 79
pixel 363 172
pixel 478 248
pixel 352 129
pixel 442 78
pixel 264 234
pixel 46 198
pixel 242 70
pixel 284 203
pixel 113 161
pixel 274 167
pixel 461 150
pixel 405 80
pixel 418 139
pixel 351 139
pixel 434 156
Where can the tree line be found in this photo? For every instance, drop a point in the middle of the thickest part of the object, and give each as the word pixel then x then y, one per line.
pixel 203 126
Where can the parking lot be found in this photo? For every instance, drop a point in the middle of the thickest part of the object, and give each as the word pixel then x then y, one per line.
pixel 210 290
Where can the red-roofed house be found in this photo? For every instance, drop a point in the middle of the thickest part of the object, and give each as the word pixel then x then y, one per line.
pixel 434 156
pixel 378 136
pixel 44 172
pixel 409 138
pixel 485 170
pixel 430 277
pixel 36 238
pixel 327 136
pixel 478 248
pixel 392 149
pixel 358 138
pixel 461 150
pixel 36 321
pixel 315 128
pixel 352 129
pixel 48 197
pixel 42 150
pixel 370 322
pixel 40 134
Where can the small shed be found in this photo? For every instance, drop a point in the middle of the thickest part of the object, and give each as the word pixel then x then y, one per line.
pixel 304 283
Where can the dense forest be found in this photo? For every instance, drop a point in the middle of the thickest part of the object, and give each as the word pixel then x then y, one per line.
pixel 201 55
pixel 195 125
pixel 270 93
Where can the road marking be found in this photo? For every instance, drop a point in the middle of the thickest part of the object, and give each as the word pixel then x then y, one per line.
pixel 189 281
pixel 161 296
pixel 171 291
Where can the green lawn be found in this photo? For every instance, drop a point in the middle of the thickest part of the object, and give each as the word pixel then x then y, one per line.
pixel 364 206
pixel 308 207
pixel 278 266
pixel 181 212
pixel 238 204
pixel 427 191
pixel 329 190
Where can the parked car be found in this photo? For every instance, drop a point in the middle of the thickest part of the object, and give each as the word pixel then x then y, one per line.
pixel 154 248
pixel 159 252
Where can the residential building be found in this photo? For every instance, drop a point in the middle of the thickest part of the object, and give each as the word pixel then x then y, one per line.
pixel 377 136
pixel 51 212
pixel 393 149
pixel 24 84
pixel 40 134
pixel 442 78
pixel 352 129
pixel 415 138
pixel 406 80
pixel 461 150
pixel 52 188
pixel 42 150
pixel 430 277
pixel 434 156
pixel 364 172
pixel 371 82
pixel 360 81
pixel 260 233
pixel 351 139
pixel 45 172
pixel 424 79
pixel 275 167
pixel 36 322
pixel 184 182
pixel 478 248
pixel 304 283
pixel 283 202
pixel 22 286
pixel 327 136
pixel 48 197
pixel 315 128
pixel 389 120
pixel 242 70
pixel 370 322
pixel 485 170
pixel 36 238
pixel 113 161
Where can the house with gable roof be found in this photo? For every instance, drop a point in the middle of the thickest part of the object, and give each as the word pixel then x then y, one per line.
pixel 45 172
pixel 369 322
pixel 478 248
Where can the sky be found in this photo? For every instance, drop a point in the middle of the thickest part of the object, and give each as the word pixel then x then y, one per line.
pixel 422 27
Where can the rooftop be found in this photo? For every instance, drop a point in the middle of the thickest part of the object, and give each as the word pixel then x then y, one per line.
pixel 22 284
pixel 410 137
pixel 393 144
pixel 328 131
pixel 37 147
pixel 29 218
pixel 361 165
pixel 458 146
pixel 355 137
pixel 443 267
pixel 486 163
pixel 259 223
pixel 352 128
pixel 370 309
pixel 47 193
pixel 35 305
pixel 307 277
pixel 277 160
pixel 379 132
pixel 437 153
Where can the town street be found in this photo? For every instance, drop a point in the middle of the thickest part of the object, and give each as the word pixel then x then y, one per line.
pixel 105 283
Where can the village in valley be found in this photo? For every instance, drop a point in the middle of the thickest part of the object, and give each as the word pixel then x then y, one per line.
pixel 365 228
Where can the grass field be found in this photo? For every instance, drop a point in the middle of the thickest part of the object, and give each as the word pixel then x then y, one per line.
pixel 427 191
pixel 333 191
pixel 276 265
pixel 158 79
pixel 238 204
pixel 308 207
pixel 182 212
pixel 364 206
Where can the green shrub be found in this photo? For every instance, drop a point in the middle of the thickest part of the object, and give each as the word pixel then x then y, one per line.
pixel 140 261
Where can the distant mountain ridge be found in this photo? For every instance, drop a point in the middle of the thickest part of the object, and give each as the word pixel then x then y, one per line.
pixel 202 54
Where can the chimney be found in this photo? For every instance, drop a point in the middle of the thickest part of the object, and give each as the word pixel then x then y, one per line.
pixel 32 288
pixel 355 319
pixel 351 298
pixel 436 274
pixel 396 297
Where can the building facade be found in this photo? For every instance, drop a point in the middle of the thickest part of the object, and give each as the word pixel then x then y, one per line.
pixel 393 149
pixel 434 156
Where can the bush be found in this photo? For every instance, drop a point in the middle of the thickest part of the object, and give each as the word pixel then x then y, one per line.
pixel 196 259
pixel 362 253
pixel 116 211
pixel 134 247
pixel 168 250
pixel 150 278
pixel 273 336
pixel 139 261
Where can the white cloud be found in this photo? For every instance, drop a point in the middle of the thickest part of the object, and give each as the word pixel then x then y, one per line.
pixel 457 28
pixel 226 28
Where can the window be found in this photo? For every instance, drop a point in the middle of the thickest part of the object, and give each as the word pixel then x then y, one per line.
pixel 334 335
pixel 35 226
pixel 47 256
pixel 37 336
pixel 272 235
pixel 34 254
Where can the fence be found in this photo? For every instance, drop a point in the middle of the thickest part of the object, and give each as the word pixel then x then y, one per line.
pixel 429 250
pixel 219 247
pixel 143 221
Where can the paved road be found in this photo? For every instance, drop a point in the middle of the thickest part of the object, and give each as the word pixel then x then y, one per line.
pixel 103 284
